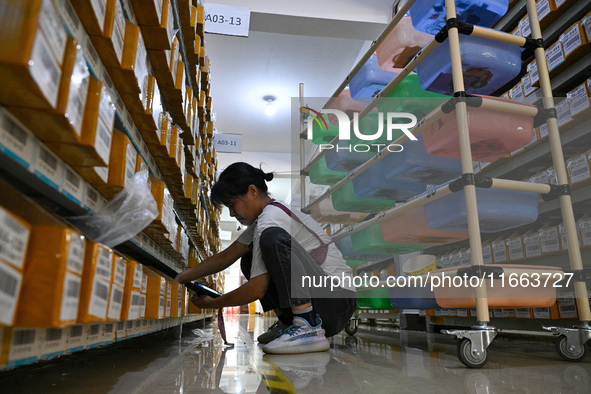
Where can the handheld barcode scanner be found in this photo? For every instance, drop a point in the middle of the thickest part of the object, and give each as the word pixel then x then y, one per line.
pixel 200 289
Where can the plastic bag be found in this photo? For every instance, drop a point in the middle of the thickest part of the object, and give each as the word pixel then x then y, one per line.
pixel 132 210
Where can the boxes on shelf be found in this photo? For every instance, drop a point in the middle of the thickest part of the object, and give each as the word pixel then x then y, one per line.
pixel 117 288
pixel 499 251
pixel 32 53
pixel 25 345
pixel 550 239
pixel 94 335
pixel 76 338
pixel 16 141
pixel 578 169
pixel 96 283
pixel 575 42
pixel 578 99
pixel 515 247
pixel 52 278
pixel 155 296
pixel 584 225
pixel 109 45
pixel 532 243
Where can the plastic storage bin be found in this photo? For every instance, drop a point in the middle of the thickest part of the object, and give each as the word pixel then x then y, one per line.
pixel 499 293
pixel 345 246
pixel 411 227
pixel 345 158
pixel 493 134
pixel 401 45
pixel 320 133
pixel 498 210
pixel 324 212
pixel 345 199
pixel 414 164
pixel 370 80
pixel 372 239
pixel 487 65
pixel 320 174
pixel 374 299
pixel 411 296
pixel 344 102
pixel 428 16
pixel 409 96
pixel 374 184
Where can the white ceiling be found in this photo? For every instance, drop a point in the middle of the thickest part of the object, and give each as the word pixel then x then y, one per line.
pixel 314 42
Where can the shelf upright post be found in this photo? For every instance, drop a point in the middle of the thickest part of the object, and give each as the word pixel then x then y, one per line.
pixel 302 149
pixel 566 206
pixel 466 160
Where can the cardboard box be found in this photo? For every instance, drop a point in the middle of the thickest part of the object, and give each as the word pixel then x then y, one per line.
pixel 158 31
pixel 578 169
pixel 94 335
pixel 31 54
pixel 109 334
pixel 96 283
pixel 122 162
pixel 499 250
pixel 533 244
pixel 550 240
pixel 24 346
pixel 110 44
pixel 52 278
pixel 73 186
pixel 14 239
pixel 76 338
pixel 578 100
pixel 53 343
pixel 515 247
pixel 117 288
pixel 11 281
pixel 155 296
pixel 523 313
pixel 16 141
pixel 93 14
pixel 131 296
pixel 574 42
pixel 584 225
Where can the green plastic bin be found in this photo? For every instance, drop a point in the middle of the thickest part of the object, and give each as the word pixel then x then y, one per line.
pixel 372 239
pixel 345 199
pixel 320 174
pixel 374 299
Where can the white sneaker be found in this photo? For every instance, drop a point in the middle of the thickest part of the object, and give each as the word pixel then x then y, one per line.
pixel 300 369
pixel 300 337
pixel 272 332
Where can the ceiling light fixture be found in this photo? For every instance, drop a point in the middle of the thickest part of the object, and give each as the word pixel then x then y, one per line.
pixel 270 107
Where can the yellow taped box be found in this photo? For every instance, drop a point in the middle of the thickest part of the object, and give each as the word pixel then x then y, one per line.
pixel 157 35
pixel 117 288
pixel 132 293
pixel 31 54
pixel 52 278
pixel 95 14
pixel 96 283
pixel 155 296
pixel 110 44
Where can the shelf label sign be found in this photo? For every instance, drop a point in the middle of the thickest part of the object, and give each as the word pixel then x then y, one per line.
pixel 228 143
pixel 228 20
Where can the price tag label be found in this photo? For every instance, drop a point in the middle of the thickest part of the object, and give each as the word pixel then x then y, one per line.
pixel 228 143
pixel 228 20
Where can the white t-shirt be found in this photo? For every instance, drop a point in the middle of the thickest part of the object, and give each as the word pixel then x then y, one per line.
pixel 273 216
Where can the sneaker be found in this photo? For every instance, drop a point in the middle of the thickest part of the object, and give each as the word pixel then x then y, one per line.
pixel 272 332
pixel 300 337
pixel 300 369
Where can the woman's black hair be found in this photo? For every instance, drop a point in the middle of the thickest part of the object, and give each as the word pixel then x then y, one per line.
pixel 234 182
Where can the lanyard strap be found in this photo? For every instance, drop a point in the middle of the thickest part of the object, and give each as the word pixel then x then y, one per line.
pixel 288 211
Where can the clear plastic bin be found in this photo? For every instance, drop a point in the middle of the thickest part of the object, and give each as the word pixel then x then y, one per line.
pixel 324 212
pixel 411 227
pixel 414 164
pixel 498 210
pixel 373 184
pixel 401 45
pixel 372 239
pixel 493 134
pixel 345 199
pixel 320 174
pixel 428 16
pixel 409 96
pixel 487 66
pixel 370 80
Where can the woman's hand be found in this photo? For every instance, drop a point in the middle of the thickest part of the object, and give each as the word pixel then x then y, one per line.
pixel 203 302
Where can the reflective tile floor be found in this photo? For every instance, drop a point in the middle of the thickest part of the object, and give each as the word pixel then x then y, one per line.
pixel 378 359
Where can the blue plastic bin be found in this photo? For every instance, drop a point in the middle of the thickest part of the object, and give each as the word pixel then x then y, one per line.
pixel 345 158
pixel 428 16
pixel 487 65
pixel 412 297
pixel 374 183
pixel 370 80
pixel 498 210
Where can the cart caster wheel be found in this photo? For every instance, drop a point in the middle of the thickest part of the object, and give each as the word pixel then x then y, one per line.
pixel 468 358
pixel 573 354
pixel 351 328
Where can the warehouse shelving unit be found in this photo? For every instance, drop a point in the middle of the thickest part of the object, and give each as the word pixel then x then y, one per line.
pixel 194 215
pixel 571 343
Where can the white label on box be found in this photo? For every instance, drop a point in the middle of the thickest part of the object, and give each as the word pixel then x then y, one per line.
pixel 180 308
pixel 144 287
pixel 108 332
pixel 543 130
pixel 118 30
pixel 563 113
pixel 168 290
pixel 516 93
pixel 559 2
pixel 94 334
pixel 525 27
pixel 585 230
pixel 499 251
pixel 571 39
pixel 70 18
pixel 76 339
pixel 137 277
pixel 115 302
pixel 541 313
pixel 142 305
pixel 586 22
pixel 523 313
pixel 567 308
pixel 130 160
pixel 517 32
pixel 99 11
pixel 54 29
pixel 107 108
pixel 14 238
pixel 510 312
pixel 526 84
pixel 578 169
pixel 92 58
pixel 76 254
pixel 549 240
pixel 77 97
pixel 70 297
pixel 73 185
pixel 543 8
pixel 158 5
pixel 45 70
pixel 168 306
pixel 49 167
pixel 532 70
pixel 104 264
pixel 120 269
pixel 563 239
pixel 99 299
pixel 533 246
pixel 170 23
pixel 162 286
pixel 10 286
pixel 53 344
pixel 161 306
pixel 102 172
pixel 141 68
pixel 24 345
pixel 555 56
pixel 578 100
pixel 515 248
pixel 134 305
pixel 91 199
pixel 498 313
pixel 486 254
pixel 552 178
pixel 15 140
pixel 103 142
